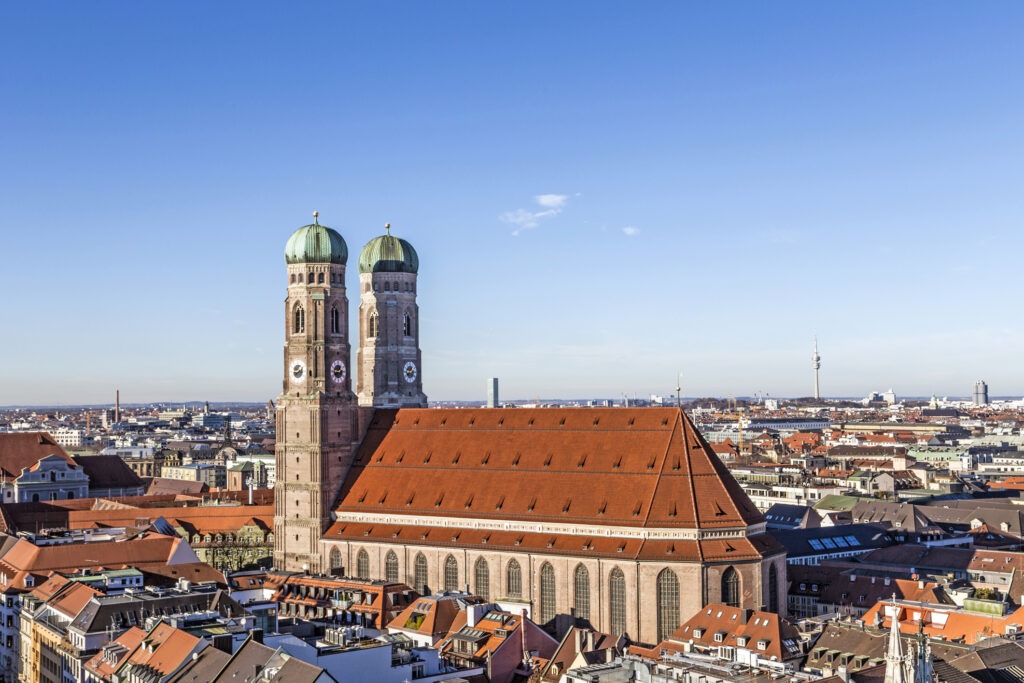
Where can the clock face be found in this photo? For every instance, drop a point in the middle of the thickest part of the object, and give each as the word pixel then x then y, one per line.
pixel 410 372
pixel 298 370
pixel 338 371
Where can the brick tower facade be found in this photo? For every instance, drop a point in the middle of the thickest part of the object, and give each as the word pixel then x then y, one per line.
pixel 317 415
pixel 390 372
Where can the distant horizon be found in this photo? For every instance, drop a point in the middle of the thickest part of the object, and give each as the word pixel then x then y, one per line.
pixel 666 402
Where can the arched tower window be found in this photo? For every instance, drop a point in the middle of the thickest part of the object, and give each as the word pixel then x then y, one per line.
pixel 299 316
pixel 335 560
pixel 547 593
pixel 451 574
pixel 668 603
pixel 391 567
pixel 363 565
pixel 482 579
pixel 309 278
pixel 419 579
pixel 374 326
pixel 319 278
pixel 335 320
pixel 773 589
pixel 513 580
pixel 581 592
pixel 617 602
pixel 407 325
pixel 731 587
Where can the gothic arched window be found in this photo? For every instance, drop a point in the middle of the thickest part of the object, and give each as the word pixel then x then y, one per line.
pixel 319 278
pixel 547 593
pixel 374 326
pixel 581 592
pixel 773 589
pixel 391 567
pixel 617 602
pixel 419 579
pixel 299 325
pixel 335 320
pixel 309 279
pixel 451 574
pixel 482 578
pixel 407 325
pixel 335 560
pixel 731 587
pixel 363 565
pixel 513 580
pixel 668 603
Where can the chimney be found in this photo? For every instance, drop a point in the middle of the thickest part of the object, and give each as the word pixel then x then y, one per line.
pixel 579 639
pixel 222 642
pixel 590 641
pixel 257 635
pixel 745 615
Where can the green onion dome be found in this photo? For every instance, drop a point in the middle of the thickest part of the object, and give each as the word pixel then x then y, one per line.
pixel 316 244
pixel 388 254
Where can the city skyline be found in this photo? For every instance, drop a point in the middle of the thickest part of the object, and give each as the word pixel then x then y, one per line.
pixel 592 217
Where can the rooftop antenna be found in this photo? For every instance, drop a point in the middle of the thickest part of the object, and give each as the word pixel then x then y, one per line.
pixel 816 364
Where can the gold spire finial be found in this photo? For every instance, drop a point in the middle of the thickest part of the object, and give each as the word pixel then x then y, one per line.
pixel 387 227
pixel 316 215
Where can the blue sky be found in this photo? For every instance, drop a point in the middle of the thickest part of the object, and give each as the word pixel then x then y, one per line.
pixel 602 194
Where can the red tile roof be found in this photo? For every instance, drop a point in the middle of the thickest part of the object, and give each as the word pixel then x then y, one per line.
pixel 612 466
pixel 22 450
pixel 717 625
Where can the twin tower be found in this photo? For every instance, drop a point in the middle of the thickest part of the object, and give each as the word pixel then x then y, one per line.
pixel 320 419
pixel 317 349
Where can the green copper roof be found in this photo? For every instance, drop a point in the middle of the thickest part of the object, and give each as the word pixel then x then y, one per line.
pixel 388 254
pixel 315 244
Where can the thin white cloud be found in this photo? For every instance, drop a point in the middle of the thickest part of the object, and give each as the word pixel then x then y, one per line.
pixel 631 230
pixel 552 201
pixel 527 219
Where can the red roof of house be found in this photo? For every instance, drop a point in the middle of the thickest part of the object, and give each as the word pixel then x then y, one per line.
pixel 22 450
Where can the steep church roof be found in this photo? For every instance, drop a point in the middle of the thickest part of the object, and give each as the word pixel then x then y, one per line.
pixel 646 467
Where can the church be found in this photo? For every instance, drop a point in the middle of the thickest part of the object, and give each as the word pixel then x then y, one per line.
pixel 623 517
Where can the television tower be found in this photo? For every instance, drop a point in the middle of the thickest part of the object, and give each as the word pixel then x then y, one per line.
pixel 816 364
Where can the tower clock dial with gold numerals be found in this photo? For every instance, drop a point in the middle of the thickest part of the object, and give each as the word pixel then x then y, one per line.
pixel 297 370
pixel 338 371
pixel 409 371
